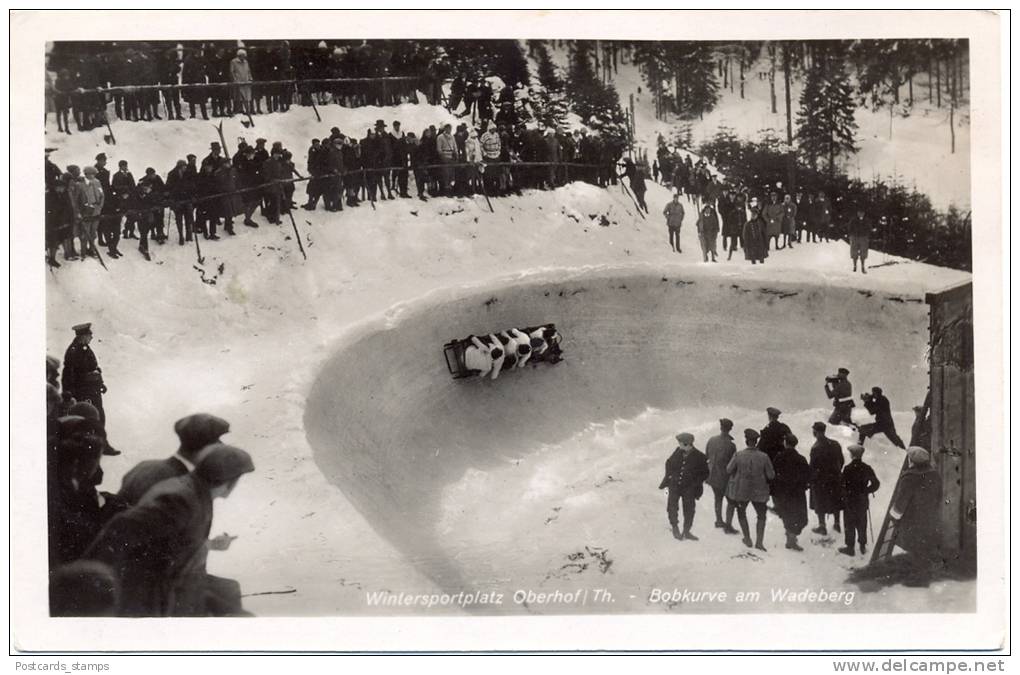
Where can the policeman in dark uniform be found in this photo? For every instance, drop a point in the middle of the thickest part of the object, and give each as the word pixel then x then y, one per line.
pixel 773 437
pixel 82 377
pixel 686 473
pixel 839 389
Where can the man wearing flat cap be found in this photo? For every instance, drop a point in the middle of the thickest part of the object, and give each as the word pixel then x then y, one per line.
pixel 158 548
pixel 686 472
pixel 750 472
pixel 82 377
pixel 841 391
pixel 773 437
pixel 196 432
pixel 826 462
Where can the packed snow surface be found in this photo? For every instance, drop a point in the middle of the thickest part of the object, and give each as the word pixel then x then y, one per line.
pixel 378 473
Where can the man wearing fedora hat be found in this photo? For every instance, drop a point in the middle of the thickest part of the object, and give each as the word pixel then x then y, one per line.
pixel 686 472
pixel 82 377
pixel 158 548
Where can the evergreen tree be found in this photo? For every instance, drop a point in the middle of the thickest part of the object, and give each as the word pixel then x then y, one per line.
pixel 597 104
pixel 826 118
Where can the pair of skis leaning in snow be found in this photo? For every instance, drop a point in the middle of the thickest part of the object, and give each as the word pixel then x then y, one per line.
pixel 492 354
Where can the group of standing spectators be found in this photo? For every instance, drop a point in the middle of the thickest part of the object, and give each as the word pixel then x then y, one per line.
pixel 770 467
pixel 140 551
pixel 757 224
pixel 222 78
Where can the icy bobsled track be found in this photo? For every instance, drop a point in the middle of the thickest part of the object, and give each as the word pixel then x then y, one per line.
pixel 472 479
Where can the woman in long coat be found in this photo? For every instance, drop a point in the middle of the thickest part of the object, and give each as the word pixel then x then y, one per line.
pixel 750 473
pixel 792 478
pixel 755 242
pixel 915 509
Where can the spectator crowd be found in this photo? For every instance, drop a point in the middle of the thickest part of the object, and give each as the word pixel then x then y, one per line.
pixel 140 551
pixel 92 207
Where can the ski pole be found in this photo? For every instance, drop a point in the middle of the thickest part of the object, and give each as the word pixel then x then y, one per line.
pixel 297 234
pixel 485 192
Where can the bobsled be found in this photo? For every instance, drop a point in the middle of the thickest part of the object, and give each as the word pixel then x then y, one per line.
pixel 453 351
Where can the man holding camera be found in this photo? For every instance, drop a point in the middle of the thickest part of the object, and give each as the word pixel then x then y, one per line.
pixel 839 389
pixel 878 405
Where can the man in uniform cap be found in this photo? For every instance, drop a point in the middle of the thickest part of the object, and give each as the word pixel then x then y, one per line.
pixel 158 548
pixel 826 462
pixel 214 158
pixel 839 389
pixel 859 482
pixel 82 377
pixel 719 451
pixel 773 437
pixel 686 472
pixel 195 432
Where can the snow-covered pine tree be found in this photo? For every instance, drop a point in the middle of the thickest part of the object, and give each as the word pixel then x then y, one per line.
pixel 548 97
pixel 597 104
pixel 826 124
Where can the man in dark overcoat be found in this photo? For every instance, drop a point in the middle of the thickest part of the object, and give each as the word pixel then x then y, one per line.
pixel 793 475
pixel 82 377
pixel 686 472
pixel 826 467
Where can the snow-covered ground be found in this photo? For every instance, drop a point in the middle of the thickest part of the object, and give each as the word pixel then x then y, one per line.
pixel 917 154
pixel 251 333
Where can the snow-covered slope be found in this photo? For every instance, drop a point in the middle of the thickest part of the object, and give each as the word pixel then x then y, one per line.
pixel 247 334
pixel 916 154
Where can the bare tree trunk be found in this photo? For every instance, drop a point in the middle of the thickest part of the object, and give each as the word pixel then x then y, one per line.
pixel 938 84
pixel 741 76
pixel 952 110
pixel 930 93
pixel 729 69
pixel 910 89
pixel 724 66
pixel 772 77
pixel 789 118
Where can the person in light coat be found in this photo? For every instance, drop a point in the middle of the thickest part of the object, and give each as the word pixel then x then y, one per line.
pixel 484 359
pixel 719 451
pixel 750 473
pixel 240 75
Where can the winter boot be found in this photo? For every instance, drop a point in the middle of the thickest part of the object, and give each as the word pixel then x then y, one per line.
pixel 864 549
pixel 760 535
pixel 687 535
pixel 747 542
pixel 820 530
pixel 846 550
pixel 720 524
pixel 791 542
pixel 676 533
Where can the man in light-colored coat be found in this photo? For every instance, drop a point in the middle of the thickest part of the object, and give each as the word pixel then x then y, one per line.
pixel 750 473
pixel 240 75
pixel 719 451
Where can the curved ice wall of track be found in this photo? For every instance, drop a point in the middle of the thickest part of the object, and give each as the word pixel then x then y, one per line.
pixel 391 429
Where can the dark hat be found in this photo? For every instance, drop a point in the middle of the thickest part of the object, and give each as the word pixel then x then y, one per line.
pixel 260 141
pixel 198 430
pixel 100 156
pixel 69 425
pixel 792 440
pixel 192 156
pixel 684 437
pixel 335 131
pixel 726 423
pixel 855 450
pixel 379 123
pixel 82 329
pixel 818 426
pixel 149 171
pixel 750 435
pixel 85 410
pixel 122 162
pixel 214 145
pixel 843 371
pixel 222 463
pixel 773 412
pixel 877 391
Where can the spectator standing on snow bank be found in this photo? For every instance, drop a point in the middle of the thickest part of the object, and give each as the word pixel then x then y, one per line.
pixel 793 475
pixel 708 232
pixel 750 473
pixel 82 377
pixel 686 472
pixel 826 467
pixel 858 233
pixel 719 451
pixel 674 213
pixel 789 221
pixel 859 482
pixel 754 239
pixel 240 75
pixel 773 214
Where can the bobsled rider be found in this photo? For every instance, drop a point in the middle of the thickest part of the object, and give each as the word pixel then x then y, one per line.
pixel 521 345
pixel 483 359
pixel 545 343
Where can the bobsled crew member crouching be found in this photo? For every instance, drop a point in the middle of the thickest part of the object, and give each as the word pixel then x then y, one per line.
pixel 482 359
